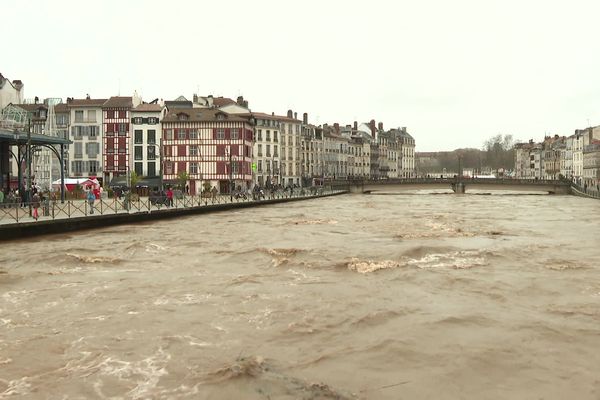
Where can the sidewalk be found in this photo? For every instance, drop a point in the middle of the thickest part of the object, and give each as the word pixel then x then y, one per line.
pixel 55 210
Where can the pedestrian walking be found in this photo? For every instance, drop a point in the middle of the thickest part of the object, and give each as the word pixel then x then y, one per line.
pixel 91 198
pixel 35 203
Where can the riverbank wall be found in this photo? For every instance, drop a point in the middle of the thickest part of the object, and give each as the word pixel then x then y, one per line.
pixel 16 231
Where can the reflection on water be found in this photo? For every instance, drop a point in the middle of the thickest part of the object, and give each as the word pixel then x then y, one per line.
pixel 353 297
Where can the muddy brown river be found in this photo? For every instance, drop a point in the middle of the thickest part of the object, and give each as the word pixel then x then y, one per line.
pixel 400 296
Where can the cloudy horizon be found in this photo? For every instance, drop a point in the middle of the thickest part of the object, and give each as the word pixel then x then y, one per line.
pixel 454 73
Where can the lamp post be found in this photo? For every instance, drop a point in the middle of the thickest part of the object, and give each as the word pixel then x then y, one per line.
pixel 29 185
pixel 228 154
pixel 162 160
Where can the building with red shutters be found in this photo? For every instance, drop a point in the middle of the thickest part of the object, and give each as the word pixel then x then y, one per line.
pixel 213 147
pixel 116 113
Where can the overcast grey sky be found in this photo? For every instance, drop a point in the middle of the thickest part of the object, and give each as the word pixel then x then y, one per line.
pixel 454 72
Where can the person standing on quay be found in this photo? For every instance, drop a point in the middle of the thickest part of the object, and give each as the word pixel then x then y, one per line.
pixel 169 197
pixel 91 197
pixel 35 203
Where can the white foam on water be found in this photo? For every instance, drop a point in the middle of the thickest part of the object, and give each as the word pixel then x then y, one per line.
pixel 145 373
pixel 17 387
pixel 458 259
pixel 368 266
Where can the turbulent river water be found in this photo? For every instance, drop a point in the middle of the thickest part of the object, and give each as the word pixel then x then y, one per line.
pixel 412 296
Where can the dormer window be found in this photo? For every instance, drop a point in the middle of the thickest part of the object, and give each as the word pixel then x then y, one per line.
pixel 220 116
pixel 182 117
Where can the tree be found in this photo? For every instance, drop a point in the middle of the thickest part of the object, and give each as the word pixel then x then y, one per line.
pixel 133 179
pixel 182 179
pixel 499 152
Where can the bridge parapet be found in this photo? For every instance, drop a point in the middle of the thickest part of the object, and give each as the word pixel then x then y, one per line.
pixel 458 185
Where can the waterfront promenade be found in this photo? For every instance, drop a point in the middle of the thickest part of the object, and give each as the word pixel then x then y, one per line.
pixel 56 217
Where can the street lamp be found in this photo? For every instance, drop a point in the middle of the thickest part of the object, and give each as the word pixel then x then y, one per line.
pixel 228 154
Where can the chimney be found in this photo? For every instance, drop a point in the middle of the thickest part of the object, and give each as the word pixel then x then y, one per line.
pixel 372 126
pixel 87 96
pixel 290 114
pixel 240 100
pixel 295 115
pixel 305 118
pixel 336 127
pixel 36 100
pixel 380 126
pixel 246 103
pixel 404 129
pixel 273 113
pixel 355 125
pixel 195 98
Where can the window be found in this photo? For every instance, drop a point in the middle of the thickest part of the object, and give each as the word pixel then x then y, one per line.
pixel 235 133
pixel 62 119
pixel 91 116
pixel 220 133
pixel 151 136
pixel 151 169
pixel 275 136
pixel 260 150
pixel 181 134
pixel 268 138
pixel 275 151
pixel 260 163
pixel 122 129
pixel 220 116
pixel 169 134
pixel 151 152
pixel 93 167
pixel 92 149
pixel 182 117
pixel 138 120
pixel 77 167
pixel 139 168
pixel 138 139
pixel 259 137
pixel 77 132
pixel 168 168
pixel 235 167
pixel 139 154
pixel 193 168
pixel 193 150
pixel 268 150
pixel 152 121
pixel 194 134
pixel 93 131
pixel 78 150
pixel 79 116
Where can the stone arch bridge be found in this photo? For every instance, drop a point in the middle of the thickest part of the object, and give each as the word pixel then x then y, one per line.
pixel 458 185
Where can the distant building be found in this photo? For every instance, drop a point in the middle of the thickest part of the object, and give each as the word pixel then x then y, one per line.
pixel 209 145
pixel 116 113
pixel 147 133
pixel 591 164
pixel 11 92
pixel 86 133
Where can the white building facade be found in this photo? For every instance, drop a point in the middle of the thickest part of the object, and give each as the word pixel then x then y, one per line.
pixel 147 134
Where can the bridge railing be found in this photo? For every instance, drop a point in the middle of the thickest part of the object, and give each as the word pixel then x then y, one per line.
pixel 453 180
pixel 585 191
pixel 13 210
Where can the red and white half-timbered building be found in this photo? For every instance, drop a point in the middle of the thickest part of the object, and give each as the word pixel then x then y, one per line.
pixel 117 136
pixel 210 146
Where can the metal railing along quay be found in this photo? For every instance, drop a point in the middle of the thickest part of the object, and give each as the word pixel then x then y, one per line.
pixel 18 212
